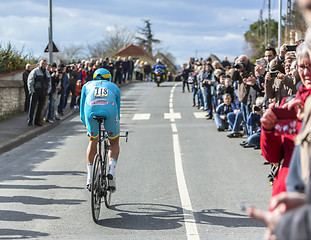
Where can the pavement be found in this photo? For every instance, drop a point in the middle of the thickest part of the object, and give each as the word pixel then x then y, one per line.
pixel 15 131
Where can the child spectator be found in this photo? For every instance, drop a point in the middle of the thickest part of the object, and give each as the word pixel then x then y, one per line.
pixel 222 110
pixel 229 88
pixel 220 90
pixel 78 93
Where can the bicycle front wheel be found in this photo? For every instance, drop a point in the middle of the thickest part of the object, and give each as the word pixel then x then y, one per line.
pixel 96 191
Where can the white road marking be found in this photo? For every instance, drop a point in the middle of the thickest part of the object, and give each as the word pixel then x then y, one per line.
pixel 174 128
pixel 141 116
pixel 200 114
pixel 190 224
pixel 172 115
pixel 191 227
pixel 124 115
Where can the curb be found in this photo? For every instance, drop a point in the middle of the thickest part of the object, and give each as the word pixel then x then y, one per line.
pixel 19 140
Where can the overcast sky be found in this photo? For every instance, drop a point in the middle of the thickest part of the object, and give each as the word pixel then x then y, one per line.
pixel 186 27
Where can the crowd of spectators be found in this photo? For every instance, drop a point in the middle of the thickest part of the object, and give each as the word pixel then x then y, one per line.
pixel 48 88
pixel 261 102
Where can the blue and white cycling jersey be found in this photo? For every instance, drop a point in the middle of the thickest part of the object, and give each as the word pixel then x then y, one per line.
pixel 101 98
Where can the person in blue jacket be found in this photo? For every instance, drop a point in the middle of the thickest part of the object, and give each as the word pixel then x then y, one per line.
pixel 101 97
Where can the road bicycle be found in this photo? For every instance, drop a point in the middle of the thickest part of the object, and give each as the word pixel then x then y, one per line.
pixel 99 187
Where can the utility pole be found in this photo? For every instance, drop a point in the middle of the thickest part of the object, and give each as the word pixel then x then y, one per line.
pixel 280 24
pixel 288 21
pixel 50 34
pixel 269 19
pixel 260 27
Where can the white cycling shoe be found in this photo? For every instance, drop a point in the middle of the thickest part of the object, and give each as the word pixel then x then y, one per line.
pixel 89 178
pixel 111 179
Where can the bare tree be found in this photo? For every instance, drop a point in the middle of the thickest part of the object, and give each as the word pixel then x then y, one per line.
pixel 116 39
pixel 70 53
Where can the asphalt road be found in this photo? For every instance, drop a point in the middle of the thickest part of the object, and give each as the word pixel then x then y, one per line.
pixel 177 178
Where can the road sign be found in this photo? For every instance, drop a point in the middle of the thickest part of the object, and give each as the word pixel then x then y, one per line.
pixel 54 48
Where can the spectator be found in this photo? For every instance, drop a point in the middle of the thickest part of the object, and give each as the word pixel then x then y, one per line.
pixel 64 86
pixel 185 76
pixel 89 72
pixel 25 78
pixel 58 91
pixel 82 72
pixel 110 68
pixel 131 68
pixel 39 85
pixel 141 70
pixel 220 90
pixel 243 74
pixel 49 115
pixel 137 70
pixel 229 88
pixel 218 73
pixel 119 70
pixel 78 90
pixel 125 69
pixel 222 111
pixel 147 71
pixel 235 119
pixel 195 89
pixel 207 83
pixel 254 126
pixel 74 75
pixel 225 63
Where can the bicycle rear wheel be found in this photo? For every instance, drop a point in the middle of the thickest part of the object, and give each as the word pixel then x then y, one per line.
pixel 96 191
pixel 107 195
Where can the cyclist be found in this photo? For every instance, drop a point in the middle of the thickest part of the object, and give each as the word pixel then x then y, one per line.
pixel 101 98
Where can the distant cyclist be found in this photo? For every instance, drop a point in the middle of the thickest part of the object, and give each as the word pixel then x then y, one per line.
pixel 101 97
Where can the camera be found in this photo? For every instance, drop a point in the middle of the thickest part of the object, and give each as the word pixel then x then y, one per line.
pixel 256 108
pixel 262 62
pixel 291 48
pixel 238 65
pixel 273 74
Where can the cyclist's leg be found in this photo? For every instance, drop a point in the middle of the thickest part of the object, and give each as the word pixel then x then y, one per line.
pixel 92 128
pixel 114 148
pixel 91 150
pixel 112 126
pixel 113 155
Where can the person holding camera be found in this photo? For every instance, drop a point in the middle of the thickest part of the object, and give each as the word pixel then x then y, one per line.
pixel 280 85
pixel 244 75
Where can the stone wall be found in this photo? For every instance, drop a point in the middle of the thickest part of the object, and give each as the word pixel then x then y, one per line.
pixel 12 96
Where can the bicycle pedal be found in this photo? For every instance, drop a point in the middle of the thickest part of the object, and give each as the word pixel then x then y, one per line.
pixel 112 189
pixel 110 176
